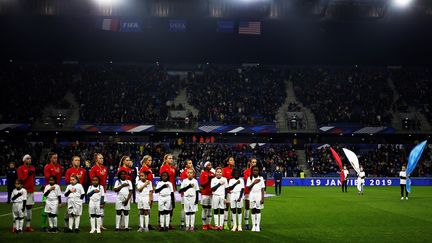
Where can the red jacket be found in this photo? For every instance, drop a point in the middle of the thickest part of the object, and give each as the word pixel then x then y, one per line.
pixel 184 175
pixel 28 180
pixel 150 176
pixel 100 172
pixel 53 170
pixel 78 172
pixel 205 181
pixel 227 173
pixel 246 175
pixel 171 172
pixel 128 171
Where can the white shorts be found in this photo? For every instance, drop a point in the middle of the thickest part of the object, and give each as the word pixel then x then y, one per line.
pixel 51 207
pixel 246 197
pixel 164 203
pixel 218 202
pixel 17 210
pixel 94 208
pixel 30 199
pixel 74 207
pixel 234 203
pixel 119 203
pixel 206 200
pixel 143 202
pixel 189 205
pixel 255 201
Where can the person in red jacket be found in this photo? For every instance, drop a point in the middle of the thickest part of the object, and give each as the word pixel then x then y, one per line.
pixel 227 173
pixel 100 172
pixel 75 170
pixel 26 173
pixel 171 170
pixel 79 172
pixel 146 167
pixel 184 175
pixel 53 168
pixel 125 165
pixel 206 195
pixel 246 175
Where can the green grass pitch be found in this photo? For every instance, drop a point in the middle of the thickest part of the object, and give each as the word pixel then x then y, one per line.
pixel 301 214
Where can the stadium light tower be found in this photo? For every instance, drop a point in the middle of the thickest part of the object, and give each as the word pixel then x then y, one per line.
pixel 402 3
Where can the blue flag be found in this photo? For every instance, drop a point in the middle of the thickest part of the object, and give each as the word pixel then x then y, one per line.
pixel 130 25
pixel 177 25
pixel 413 158
pixel 224 26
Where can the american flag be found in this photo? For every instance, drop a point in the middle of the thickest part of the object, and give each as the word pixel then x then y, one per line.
pixel 250 28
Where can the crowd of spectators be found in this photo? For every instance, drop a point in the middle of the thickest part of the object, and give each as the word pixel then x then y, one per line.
pixel 14 152
pixel 130 93
pixel 29 88
pixel 246 95
pixel 384 160
pixel 345 94
pixel 414 86
pixel 111 94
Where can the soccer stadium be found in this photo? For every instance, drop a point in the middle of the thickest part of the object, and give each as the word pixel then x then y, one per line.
pixel 216 121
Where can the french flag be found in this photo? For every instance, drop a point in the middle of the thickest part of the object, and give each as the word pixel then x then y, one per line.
pixel 110 24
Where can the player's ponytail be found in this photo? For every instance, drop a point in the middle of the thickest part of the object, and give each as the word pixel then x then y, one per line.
pixel 122 160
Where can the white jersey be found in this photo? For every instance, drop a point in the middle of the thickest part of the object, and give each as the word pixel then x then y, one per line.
pixel 124 192
pixel 17 206
pixel 220 191
pixel 21 198
pixel 346 173
pixel 166 191
pixel 402 176
pixel 146 190
pixel 257 188
pixel 96 197
pixel 237 189
pixel 361 176
pixel 54 194
pixel 191 192
pixel 75 196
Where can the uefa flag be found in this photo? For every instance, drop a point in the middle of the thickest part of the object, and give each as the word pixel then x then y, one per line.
pixel 177 25
pixel 224 26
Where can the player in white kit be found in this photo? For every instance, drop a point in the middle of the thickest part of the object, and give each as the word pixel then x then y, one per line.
pixel 403 177
pixel 75 194
pixel 123 188
pixel 96 195
pixel 52 193
pixel 19 200
pixel 361 181
pixel 219 186
pixel 144 200
pixel 236 186
pixel 166 201
pixel 255 184
pixel 190 189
